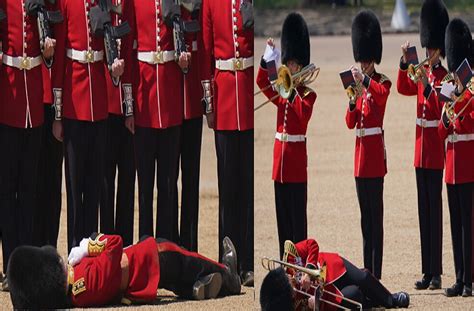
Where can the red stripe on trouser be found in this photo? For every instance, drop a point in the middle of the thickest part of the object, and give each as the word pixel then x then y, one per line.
pixel 172 247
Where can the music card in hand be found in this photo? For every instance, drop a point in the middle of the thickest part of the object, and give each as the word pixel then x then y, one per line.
pixel 272 71
pixel 412 56
pixel 464 72
pixel 347 78
pixel 446 91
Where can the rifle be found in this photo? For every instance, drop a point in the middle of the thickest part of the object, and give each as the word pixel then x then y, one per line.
pixel 172 14
pixel 101 23
pixel 37 8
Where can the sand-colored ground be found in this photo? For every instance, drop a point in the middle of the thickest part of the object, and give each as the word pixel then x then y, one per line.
pixel 333 211
pixel 207 241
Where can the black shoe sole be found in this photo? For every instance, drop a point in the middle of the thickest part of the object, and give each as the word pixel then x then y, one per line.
pixel 209 289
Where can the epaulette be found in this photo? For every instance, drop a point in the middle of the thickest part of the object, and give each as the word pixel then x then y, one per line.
pixel 96 247
pixel 383 78
pixel 306 92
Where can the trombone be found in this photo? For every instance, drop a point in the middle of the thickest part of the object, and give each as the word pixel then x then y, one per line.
pixel 320 279
pixel 450 106
pixel 286 82
pixel 415 71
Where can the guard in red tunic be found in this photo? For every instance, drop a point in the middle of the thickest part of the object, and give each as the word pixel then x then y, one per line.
pixel 101 272
pixel 158 112
pixel 117 204
pixel 228 79
pixel 293 114
pixel 21 120
pixel 366 114
pixel 191 135
pixel 80 102
pixel 429 147
pixel 342 278
pixel 459 176
pixel 50 173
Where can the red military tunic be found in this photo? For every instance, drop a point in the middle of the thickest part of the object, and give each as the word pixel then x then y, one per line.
pixel 193 107
pixel 96 280
pixel 159 102
pixel 429 147
pixel 83 85
pixel 224 38
pixel 21 90
pixel 460 144
pixel 290 159
pixel 308 252
pixel 369 111
pixel 47 90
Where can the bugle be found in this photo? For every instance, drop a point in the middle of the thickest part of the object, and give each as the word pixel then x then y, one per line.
pixel 450 106
pixel 286 82
pixel 416 71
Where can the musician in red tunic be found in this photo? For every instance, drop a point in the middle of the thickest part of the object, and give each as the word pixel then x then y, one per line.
pixel 366 114
pixel 101 272
pixel 429 147
pixel 459 176
pixel 293 115
pixel 342 278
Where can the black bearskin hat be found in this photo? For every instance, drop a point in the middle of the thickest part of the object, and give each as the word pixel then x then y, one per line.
pixel 458 43
pixel 366 37
pixel 295 40
pixel 276 293
pixel 433 21
pixel 37 278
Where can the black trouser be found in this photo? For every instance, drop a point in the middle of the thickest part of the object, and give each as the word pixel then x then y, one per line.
pixel 290 202
pixel 429 184
pixel 18 173
pixel 119 156
pixel 160 146
pixel 180 269
pixel 84 144
pixel 235 180
pixel 190 154
pixel 50 174
pixel 370 195
pixel 460 212
pixel 362 286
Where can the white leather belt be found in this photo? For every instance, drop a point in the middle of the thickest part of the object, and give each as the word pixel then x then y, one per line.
pixel 290 138
pixel 156 57
pixel 22 63
pixel 454 138
pixel 368 131
pixel 89 56
pixel 234 64
pixel 427 123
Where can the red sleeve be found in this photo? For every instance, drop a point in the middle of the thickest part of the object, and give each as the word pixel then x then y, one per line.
pixel 380 91
pixel 405 85
pixel 309 252
pixel 264 83
pixel 304 106
pixel 102 274
pixel 60 33
pixel 465 121
pixel 351 117
pixel 206 42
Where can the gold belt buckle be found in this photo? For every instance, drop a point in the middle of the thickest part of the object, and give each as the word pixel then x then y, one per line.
pixel 284 137
pixel 423 123
pixel 238 64
pixel 25 63
pixel 454 138
pixel 158 57
pixel 89 56
pixel 362 132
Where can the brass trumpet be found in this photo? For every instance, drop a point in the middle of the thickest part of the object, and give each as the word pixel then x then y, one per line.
pixel 319 276
pixel 354 91
pixel 449 107
pixel 416 71
pixel 286 82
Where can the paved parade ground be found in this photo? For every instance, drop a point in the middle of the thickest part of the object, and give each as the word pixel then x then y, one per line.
pixel 333 210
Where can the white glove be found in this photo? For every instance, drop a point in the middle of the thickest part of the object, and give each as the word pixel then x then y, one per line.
pixel 272 54
pixel 79 252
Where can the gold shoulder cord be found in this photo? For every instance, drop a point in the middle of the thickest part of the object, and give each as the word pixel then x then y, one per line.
pixel 383 78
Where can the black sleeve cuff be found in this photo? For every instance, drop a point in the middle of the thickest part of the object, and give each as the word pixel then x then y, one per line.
pixel 311 266
pixel 403 66
pixel 445 120
pixel 366 81
pixel 457 93
pixel 352 106
pixel 263 63
pixel 427 91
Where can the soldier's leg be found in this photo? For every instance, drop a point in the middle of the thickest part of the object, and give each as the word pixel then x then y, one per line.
pixel 9 176
pixel 298 212
pixel 227 169
pixel 191 138
pixel 456 230
pixel 376 209
pixel 465 196
pixel 167 176
pixel 435 188
pixel 145 153
pixel 361 187
pixel 75 146
pixel 423 218
pixel 126 186
pixel 282 214
pixel 107 197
